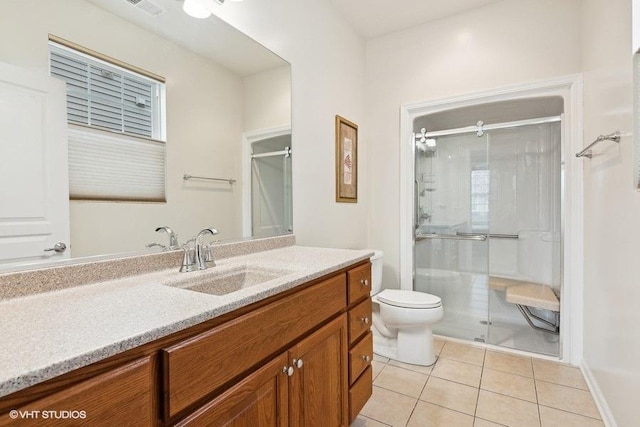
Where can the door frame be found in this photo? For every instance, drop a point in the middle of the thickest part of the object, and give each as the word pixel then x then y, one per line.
pixel 570 89
pixel 249 138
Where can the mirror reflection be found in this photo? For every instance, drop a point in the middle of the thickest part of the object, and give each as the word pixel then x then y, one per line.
pixel 106 106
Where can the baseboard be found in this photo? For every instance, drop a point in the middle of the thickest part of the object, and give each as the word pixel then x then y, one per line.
pixel 601 403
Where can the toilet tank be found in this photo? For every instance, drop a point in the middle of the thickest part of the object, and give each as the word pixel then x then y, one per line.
pixel 376 271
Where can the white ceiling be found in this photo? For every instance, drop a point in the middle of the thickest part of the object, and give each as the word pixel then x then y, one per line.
pixel 374 18
pixel 211 38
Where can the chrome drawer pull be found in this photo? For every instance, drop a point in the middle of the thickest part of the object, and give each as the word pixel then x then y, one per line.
pixel 366 358
pixel 297 363
pixel 364 320
pixel 364 282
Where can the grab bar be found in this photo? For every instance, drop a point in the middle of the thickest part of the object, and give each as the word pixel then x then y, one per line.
pixel 615 137
pixel 466 236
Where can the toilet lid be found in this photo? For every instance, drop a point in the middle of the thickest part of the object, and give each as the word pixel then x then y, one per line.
pixel 409 299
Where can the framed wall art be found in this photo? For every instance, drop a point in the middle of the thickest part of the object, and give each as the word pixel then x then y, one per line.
pixel 346 161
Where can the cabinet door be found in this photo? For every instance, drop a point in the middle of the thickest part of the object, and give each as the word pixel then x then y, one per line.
pixel 318 386
pixel 120 397
pixel 261 399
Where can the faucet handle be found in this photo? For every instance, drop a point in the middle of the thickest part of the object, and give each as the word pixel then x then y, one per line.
pixel 188 261
pixel 208 255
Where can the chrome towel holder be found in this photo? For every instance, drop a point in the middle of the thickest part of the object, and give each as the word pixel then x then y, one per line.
pixel 615 137
pixel 187 177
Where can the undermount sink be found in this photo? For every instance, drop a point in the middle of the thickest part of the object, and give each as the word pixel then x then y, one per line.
pixel 225 280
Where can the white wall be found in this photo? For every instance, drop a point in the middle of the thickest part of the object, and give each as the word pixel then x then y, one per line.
pixel 328 61
pixel 612 209
pixel 204 124
pixel 267 99
pixel 504 43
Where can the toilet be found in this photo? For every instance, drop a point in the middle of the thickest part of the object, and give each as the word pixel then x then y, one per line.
pixel 403 320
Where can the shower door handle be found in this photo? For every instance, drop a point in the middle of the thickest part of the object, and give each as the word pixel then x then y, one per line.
pixel 416 208
pixel 477 237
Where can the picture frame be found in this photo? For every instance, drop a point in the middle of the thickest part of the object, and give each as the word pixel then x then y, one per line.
pixel 346 161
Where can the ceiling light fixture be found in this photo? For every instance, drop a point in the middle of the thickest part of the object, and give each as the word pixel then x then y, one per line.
pixel 198 8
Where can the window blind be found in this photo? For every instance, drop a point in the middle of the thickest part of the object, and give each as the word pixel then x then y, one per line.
pixel 107 166
pixel 115 152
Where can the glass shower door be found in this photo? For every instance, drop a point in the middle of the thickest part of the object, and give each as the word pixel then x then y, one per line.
pixel 271 190
pixel 451 252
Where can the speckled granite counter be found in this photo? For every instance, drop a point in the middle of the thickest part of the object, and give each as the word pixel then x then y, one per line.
pixel 48 334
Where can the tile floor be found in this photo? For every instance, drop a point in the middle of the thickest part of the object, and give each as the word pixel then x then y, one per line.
pixel 474 387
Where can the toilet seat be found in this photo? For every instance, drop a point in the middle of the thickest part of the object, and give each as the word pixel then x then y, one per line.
pixel 409 299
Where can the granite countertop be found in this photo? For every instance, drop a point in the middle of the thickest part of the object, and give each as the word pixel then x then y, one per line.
pixel 48 334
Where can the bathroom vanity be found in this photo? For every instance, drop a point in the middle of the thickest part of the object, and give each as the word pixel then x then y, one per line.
pixel 292 350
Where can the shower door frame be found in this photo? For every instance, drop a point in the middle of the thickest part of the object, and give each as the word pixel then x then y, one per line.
pixel 570 89
pixel 248 138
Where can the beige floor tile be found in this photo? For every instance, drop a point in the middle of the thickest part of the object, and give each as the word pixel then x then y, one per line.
pixel 389 407
pixel 379 358
pixel 555 418
pixel 428 415
pixel 558 373
pixel 361 421
pixel 463 353
pixel 458 397
pixel 401 380
pixel 512 385
pixel 510 363
pixel 459 372
pixel 438 343
pixel 507 410
pixel 377 367
pixel 479 422
pixel 566 398
pixel 426 370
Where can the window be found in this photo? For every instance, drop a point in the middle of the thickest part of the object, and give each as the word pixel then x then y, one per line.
pixel 117 130
pixel 480 199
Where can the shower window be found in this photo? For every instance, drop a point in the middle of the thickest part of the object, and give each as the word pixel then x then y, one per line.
pixel 480 199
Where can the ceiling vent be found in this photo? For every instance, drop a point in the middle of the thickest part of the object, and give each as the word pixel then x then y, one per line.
pixel 147 6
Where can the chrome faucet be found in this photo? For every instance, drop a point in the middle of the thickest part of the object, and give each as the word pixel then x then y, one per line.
pixel 173 237
pixel 204 256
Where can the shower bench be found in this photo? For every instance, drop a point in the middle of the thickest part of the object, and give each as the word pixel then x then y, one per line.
pixel 528 294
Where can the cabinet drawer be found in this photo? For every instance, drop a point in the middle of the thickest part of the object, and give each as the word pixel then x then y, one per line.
pixel 198 367
pixel 122 396
pixel 359 393
pixel 359 320
pixel 360 357
pixel 359 280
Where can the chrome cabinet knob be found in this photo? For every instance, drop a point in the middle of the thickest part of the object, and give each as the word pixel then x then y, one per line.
pixel 58 247
pixel 366 358
pixel 297 363
pixel 288 370
pixel 364 282
pixel 364 320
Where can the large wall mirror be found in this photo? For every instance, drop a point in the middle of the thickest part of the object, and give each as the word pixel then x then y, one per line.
pixel 99 175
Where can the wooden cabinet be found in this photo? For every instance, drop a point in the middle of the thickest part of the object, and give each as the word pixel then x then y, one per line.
pixel 122 396
pixel 198 367
pixel 360 338
pixel 280 362
pixel 261 399
pixel 318 392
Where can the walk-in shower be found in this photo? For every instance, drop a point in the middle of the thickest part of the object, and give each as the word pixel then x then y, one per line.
pixel 487 220
pixel 271 200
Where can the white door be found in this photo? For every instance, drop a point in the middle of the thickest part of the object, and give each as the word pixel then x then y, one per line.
pixel 34 185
